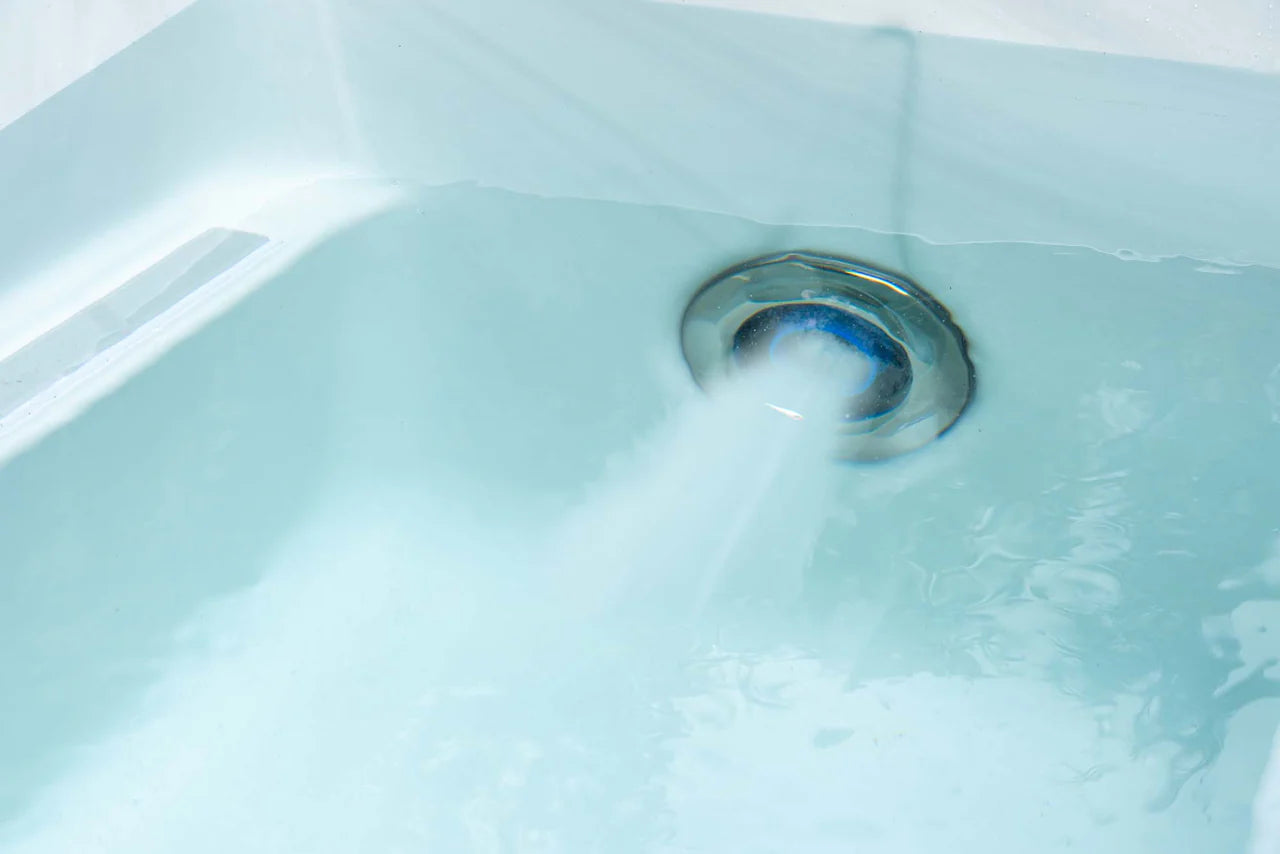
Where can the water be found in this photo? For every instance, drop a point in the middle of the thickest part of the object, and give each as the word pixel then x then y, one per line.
pixel 318 710
pixel 729 494
pixel 393 589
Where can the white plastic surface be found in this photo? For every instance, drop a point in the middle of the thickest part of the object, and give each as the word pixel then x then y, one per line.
pixel 44 46
pixel 775 119
pixel 1235 33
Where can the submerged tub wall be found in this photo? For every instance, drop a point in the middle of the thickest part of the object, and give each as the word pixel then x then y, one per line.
pixel 773 119
pixel 164 494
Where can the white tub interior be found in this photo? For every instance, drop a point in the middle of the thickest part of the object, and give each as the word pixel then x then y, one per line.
pixel 384 536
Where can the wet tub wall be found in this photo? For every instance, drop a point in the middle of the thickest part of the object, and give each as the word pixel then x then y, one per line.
pixel 1235 34
pixel 752 115
pixel 49 46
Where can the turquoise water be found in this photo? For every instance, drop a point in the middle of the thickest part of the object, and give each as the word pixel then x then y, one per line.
pixel 431 544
